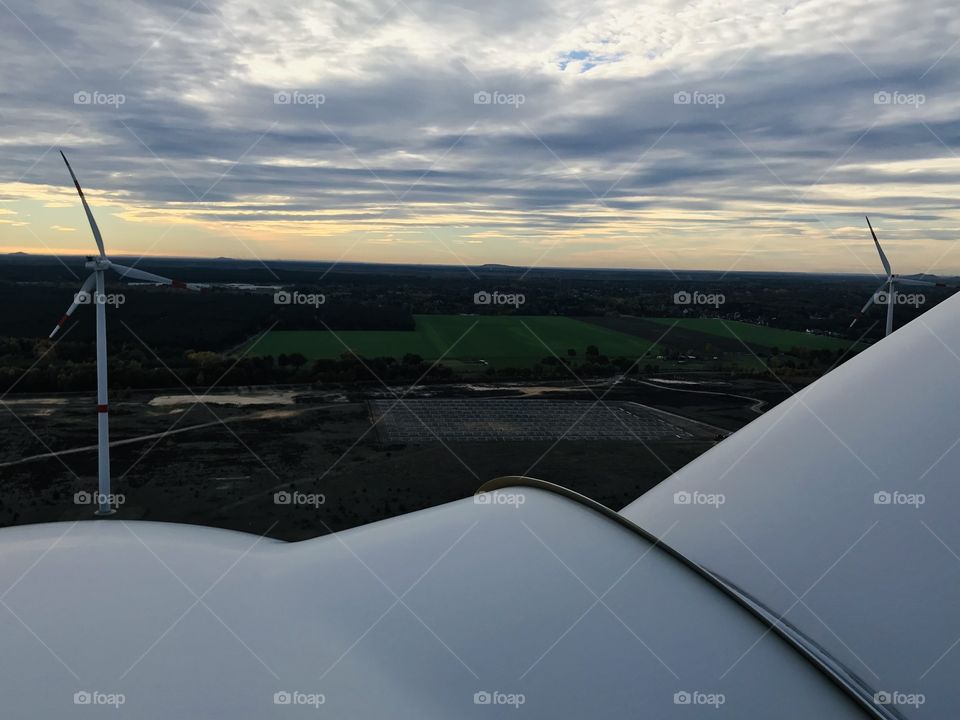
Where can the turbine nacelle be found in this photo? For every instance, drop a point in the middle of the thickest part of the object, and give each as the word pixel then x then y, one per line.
pixel 100 263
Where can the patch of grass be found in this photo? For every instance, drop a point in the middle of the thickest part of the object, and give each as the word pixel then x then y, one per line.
pixel 502 341
pixel 756 334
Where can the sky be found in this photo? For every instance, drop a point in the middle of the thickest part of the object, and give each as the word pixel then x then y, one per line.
pixel 549 133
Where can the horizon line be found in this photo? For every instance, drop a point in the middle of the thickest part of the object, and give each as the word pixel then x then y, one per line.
pixel 463 266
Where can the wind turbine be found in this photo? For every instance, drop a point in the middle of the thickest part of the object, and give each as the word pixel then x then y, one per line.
pixel 890 284
pixel 99 265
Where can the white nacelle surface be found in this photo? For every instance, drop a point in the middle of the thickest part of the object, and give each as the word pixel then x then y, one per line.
pixel 838 509
pixel 424 616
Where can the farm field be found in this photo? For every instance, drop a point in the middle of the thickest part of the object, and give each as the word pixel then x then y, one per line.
pixel 501 341
pixel 756 335
pixel 678 337
pixel 522 341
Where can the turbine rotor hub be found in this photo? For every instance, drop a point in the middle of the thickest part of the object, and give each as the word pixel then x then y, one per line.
pixel 97 264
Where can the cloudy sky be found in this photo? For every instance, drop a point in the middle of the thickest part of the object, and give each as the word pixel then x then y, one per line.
pixel 702 134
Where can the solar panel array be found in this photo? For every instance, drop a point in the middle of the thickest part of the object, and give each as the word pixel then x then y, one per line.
pixel 418 421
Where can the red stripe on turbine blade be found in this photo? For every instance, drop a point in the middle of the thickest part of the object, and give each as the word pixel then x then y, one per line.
pixel 179 284
pixel 101 408
pixel 63 320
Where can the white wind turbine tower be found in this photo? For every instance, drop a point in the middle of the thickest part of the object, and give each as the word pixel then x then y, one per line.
pixel 100 264
pixel 890 285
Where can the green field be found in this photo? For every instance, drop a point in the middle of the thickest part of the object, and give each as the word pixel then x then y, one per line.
pixel 517 341
pixel 502 341
pixel 755 334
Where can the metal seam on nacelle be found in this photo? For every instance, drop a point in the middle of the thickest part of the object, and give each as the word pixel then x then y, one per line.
pixel 857 692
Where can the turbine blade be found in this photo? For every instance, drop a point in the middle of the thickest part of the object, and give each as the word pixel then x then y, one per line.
pixel 883 258
pixel 928 283
pixel 133 273
pixel 86 208
pixel 871 301
pixel 85 288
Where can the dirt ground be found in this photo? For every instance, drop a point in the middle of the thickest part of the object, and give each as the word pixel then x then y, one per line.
pixel 222 465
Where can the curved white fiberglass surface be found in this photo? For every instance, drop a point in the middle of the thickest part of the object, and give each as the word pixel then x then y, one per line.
pixel 535 606
pixel 838 509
